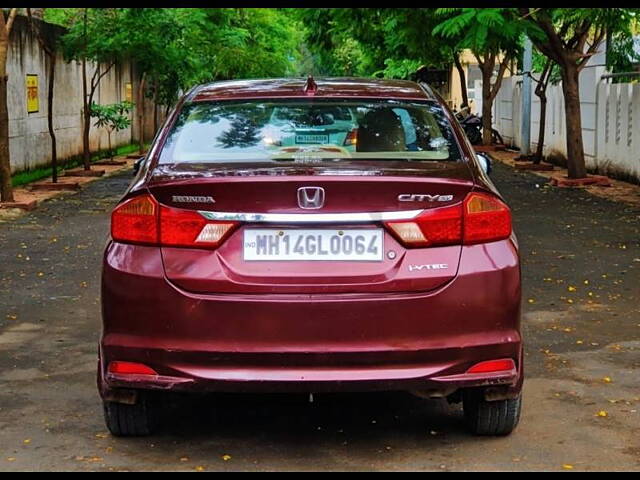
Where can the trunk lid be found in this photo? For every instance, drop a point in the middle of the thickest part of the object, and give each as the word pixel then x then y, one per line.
pixel 349 188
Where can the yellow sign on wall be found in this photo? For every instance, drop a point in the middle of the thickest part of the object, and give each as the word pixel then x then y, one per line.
pixel 32 94
pixel 128 92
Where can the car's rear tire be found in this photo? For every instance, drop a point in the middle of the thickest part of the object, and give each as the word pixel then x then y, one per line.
pixel 136 420
pixel 497 417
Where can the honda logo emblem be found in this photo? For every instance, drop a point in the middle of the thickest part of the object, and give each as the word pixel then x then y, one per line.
pixel 311 198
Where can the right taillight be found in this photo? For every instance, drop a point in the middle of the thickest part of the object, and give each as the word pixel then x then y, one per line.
pixel 141 220
pixel 434 227
pixel 480 218
pixel 486 219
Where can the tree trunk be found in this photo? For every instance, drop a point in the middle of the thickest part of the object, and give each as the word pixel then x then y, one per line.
pixel 86 119
pixel 463 80
pixel 155 107
pixel 6 189
pixel 141 113
pixel 109 141
pixel 52 134
pixel 486 106
pixel 575 148
pixel 543 120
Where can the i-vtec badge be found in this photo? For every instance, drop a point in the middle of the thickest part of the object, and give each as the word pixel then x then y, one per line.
pixel 429 266
pixel 423 197
pixel 192 199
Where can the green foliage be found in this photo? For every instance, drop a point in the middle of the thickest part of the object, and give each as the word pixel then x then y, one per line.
pixel 483 30
pixel 93 34
pixel 177 48
pixel 386 42
pixel 569 27
pixel 336 49
pixel 113 117
pixel 403 68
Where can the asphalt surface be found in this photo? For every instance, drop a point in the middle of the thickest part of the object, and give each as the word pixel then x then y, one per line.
pixel 581 323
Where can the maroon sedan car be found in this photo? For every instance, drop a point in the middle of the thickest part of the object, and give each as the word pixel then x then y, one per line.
pixel 293 235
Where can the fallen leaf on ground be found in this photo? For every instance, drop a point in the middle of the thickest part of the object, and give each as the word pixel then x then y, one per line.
pixel 602 413
pixel 226 457
pixel 567 466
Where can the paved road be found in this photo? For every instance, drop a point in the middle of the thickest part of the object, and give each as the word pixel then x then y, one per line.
pixel 582 357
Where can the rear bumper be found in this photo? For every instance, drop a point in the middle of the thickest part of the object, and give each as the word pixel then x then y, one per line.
pixel 341 342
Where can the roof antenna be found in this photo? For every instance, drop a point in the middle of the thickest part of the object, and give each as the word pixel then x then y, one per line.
pixel 310 87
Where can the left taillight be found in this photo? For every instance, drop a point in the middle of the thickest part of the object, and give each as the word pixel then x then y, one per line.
pixel 141 220
pixel 136 221
pixel 186 228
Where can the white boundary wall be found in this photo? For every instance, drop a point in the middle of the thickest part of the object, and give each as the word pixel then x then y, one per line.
pixel 29 140
pixel 610 120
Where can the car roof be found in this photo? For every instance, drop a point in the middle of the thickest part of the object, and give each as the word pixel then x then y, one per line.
pixel 326 87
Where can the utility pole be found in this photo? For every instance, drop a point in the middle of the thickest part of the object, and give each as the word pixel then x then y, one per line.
pixel 525 118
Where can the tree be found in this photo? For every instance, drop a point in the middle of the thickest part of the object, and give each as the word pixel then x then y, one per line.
pixel 570 37
pixel 493 38
pixel 94 35
pixel 548 74
pixel 6 190
pixel 339 46
pixel 113 118
pixel 148 37
pixel 384 41
pixel 49 48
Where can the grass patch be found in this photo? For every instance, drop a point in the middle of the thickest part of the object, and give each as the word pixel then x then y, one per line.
pixel 33 175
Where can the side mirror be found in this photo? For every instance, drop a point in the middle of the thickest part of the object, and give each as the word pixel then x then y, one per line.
pixel 137 164
pixel 485 162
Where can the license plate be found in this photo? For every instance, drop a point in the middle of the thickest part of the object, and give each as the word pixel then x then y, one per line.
pixel 316 139
pixel 321 244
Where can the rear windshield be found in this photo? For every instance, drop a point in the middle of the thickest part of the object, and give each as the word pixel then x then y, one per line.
pixel 308 131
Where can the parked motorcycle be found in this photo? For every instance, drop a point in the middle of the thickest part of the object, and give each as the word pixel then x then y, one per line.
pixel 472 125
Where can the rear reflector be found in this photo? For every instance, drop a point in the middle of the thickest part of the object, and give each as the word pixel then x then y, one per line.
pixel 141 220
pixel 480 218
pixel 505 364
pixel 130 368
